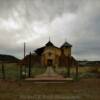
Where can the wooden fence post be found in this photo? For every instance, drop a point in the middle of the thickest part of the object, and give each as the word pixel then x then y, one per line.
pixel 77 65
pixel 30 65
pixel 68 69
pixel 20 71
pixel 3 71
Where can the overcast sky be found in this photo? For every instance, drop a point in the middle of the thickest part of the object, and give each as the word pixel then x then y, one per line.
pixel 33 21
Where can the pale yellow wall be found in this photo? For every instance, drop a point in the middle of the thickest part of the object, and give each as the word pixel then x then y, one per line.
pixel 55 54
pixel 67 51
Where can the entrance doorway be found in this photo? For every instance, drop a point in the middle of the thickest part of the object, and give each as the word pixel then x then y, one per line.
pixel 49 62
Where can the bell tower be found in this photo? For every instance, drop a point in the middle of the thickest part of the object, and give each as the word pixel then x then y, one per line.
pixel 66 49
pixel 66 56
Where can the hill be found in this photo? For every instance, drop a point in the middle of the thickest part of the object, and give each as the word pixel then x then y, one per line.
pixel 8 58
pixel 89 63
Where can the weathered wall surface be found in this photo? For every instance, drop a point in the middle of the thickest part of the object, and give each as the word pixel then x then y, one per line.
pixel 55 54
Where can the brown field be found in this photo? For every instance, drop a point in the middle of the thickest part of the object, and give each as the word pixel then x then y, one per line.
pixel 85 89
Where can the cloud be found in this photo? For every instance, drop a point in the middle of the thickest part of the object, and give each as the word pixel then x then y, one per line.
pixel 33 21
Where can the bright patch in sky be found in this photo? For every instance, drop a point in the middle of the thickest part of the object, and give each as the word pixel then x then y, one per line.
pixel 40 27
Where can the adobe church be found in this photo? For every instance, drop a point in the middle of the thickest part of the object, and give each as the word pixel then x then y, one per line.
pixel 50 55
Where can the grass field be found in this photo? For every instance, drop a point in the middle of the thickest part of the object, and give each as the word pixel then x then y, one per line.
pixel 12 71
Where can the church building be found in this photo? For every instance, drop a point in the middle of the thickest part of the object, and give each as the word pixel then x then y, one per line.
pixel 50 55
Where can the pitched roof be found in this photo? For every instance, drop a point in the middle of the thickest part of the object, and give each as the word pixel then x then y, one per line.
pixel 49 44
pixel 40 50
pixel 66 44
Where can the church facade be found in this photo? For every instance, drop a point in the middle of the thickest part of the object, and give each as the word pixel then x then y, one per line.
pixel 50 55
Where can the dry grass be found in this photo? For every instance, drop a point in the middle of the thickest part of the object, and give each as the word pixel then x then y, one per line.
pixel 85 89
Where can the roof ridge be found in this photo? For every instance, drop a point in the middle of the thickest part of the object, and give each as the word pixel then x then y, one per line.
pixel 66 44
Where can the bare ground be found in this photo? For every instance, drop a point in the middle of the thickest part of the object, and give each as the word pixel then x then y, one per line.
pixel 85 89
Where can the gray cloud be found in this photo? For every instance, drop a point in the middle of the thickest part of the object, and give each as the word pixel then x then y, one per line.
pixel 33 21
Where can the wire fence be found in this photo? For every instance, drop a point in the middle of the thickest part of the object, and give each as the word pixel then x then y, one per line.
pixel 16 72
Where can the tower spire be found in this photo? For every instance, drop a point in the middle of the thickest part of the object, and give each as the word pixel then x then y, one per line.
pixel 65 39
pixel 49 38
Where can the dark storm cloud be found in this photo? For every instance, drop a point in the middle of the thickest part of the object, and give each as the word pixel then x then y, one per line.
pixel 33 21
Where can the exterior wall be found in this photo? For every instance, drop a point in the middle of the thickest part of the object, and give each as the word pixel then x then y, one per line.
pixel 57 55
pixel 51 53
pixel 66 51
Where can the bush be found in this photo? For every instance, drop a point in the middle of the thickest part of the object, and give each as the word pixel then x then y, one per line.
pixel 76 78
pixel 64 74
pixel 88 75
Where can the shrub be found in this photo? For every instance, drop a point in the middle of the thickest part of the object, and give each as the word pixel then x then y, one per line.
pixel 88 75
pixel 64 74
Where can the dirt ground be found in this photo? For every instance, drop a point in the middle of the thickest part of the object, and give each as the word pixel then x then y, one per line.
pixel 84 89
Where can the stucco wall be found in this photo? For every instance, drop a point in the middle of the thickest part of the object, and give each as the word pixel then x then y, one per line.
pixel 54 54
